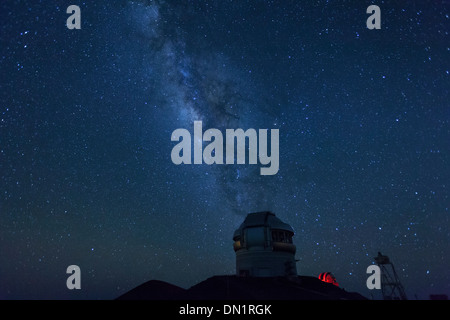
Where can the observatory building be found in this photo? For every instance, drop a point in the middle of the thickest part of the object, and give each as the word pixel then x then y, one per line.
pixel 265 270
pixel 264 248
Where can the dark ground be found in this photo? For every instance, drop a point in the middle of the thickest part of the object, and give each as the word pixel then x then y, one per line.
pixel 243 288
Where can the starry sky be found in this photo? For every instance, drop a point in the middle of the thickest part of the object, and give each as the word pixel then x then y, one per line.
pixel 86 118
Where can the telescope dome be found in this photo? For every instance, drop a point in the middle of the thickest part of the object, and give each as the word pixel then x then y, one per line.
pixel 263 246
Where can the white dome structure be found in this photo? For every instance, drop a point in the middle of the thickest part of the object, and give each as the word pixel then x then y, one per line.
pixel 264 248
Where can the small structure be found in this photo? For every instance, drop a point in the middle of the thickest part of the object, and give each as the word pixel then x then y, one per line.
pixel 391 288
pixel 329 278
pixel 264 248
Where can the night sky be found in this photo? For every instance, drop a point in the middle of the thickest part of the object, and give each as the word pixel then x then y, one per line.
pixel 86 118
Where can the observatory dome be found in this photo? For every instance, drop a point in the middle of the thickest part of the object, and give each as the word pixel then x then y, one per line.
pixel 263 246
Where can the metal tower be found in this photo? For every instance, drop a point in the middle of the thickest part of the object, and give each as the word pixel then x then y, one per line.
pixel 391 288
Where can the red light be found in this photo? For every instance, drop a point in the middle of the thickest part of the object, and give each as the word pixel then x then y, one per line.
pixel 328 277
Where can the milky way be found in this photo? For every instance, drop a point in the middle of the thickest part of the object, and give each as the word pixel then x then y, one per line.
pixel 86 118
pixel 198 83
